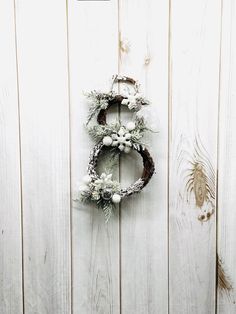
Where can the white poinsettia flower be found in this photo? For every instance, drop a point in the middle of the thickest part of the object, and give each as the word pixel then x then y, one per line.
pixel 104 181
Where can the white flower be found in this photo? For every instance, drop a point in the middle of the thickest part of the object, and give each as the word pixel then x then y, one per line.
pixel 122 140
pixel 103 181
pixel 104 187
pixel 133 101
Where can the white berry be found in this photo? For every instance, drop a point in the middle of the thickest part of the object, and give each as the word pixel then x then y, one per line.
pixel 87 179
pixel 116 198
pixel 107 140
pixel 130 126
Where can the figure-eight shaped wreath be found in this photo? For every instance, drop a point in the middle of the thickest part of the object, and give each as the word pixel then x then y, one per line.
pixel 119 138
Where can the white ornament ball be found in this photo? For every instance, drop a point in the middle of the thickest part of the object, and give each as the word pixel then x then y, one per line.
pixel 87 179
pixel 116 198
pixel 130 126
pixel 107 140
pixel 127 149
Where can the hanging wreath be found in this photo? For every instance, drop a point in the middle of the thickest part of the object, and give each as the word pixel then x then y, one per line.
pixel 118 138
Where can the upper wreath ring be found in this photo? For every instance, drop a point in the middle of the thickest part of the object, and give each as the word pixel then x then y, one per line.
pixel 133 102
pixel 116 134
pixel 101 102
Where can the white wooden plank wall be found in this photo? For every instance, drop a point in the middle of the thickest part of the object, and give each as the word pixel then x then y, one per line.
pixel 44 118
pixel 227 155
pixel 195 48
pixel 11 300
pixel 93 51
pixel 144 220
pixel 170 249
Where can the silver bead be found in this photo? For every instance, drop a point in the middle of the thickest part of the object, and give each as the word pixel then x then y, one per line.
pixel 107 194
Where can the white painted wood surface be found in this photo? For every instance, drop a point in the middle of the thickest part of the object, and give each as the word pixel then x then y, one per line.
pixel 93 52
pixel 44 118
pixel 227 155
pixel 10 190
pixel 144 218
pixel 195 48
pixel 155 255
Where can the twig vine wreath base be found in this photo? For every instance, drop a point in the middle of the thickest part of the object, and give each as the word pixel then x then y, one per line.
pixel 137 186
pixel 120 138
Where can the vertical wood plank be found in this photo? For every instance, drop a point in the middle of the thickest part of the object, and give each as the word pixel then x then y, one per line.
pixel 195 47
pixel 44 111
pixel 227 155
pixel 93 51
pixel 10 208
pixel 144 217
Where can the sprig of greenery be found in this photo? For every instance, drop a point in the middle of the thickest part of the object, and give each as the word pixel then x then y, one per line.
pixel 99 131
pixel 111 161
pixel 97 101
pixel 85 196
pixel 107 207
pixel 101 190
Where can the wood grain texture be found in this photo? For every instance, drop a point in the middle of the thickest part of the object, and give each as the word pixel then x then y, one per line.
pixel 161 252
pixel 44 112
pixel 227 155
pixel 10 207
pixel 93 51
pixel 195 47
pixel 144 223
